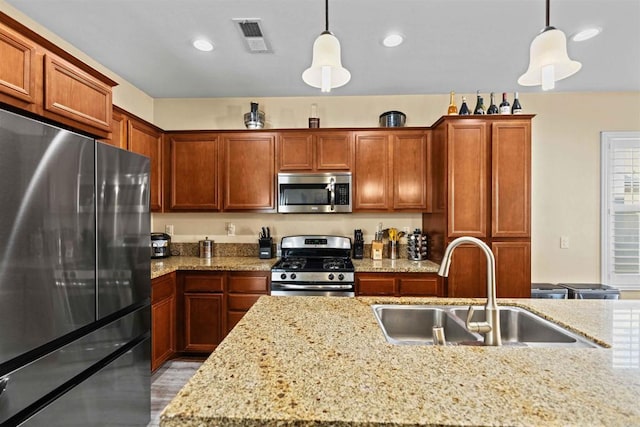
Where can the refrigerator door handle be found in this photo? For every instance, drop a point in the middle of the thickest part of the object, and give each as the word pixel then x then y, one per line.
pixel 3 383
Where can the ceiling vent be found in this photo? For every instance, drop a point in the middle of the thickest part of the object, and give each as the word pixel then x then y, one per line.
pixel 252 34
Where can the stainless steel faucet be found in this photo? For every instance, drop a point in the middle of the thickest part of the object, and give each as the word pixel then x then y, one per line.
pixel 491 325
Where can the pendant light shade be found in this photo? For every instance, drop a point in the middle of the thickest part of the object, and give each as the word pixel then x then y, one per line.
pixel 326 71
pixel 548 59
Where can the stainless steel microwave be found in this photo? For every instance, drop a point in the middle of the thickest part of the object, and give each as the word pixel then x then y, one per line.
pixel 314 192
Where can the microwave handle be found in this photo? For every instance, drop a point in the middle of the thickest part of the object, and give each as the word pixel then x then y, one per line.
pixel 332 190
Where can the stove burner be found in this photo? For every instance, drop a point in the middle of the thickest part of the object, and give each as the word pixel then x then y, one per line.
pixel 293 263
pixel 333 264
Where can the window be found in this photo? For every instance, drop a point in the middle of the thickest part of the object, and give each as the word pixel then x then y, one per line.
pixel 620 209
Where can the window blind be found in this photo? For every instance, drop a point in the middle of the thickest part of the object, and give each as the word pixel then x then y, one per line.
pixel 621 209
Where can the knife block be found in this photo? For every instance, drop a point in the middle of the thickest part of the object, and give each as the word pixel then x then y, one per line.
pixel 265 248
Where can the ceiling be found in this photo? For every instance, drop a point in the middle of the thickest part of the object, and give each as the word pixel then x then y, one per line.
pixel 461 45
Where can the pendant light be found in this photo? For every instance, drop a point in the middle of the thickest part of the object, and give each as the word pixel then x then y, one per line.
pixel 548 59
pixel 326 71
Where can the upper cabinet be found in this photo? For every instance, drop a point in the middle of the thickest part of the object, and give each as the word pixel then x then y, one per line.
pixel 314 151
pixel 193 172
pixel 248 171
pixel 391 171
pixel 145 139
pixel 39 77
pixel 18 68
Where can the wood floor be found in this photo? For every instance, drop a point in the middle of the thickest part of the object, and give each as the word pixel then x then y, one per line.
pixel 166 382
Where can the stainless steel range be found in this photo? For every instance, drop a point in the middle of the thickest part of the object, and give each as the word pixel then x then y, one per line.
pixel 314 265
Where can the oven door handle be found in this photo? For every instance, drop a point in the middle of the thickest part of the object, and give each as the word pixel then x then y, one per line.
pixel 286 286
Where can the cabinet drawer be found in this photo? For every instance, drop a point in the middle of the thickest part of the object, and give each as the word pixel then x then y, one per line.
pixel 423 286
pixel 241 302
pixel 249 284
pixel 376 285
pixel 162 288
pixel 203 283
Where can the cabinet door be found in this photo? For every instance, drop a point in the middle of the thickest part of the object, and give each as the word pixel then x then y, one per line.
pixel 513 269
pixel 163 320
pixel 409 171
pixel 468 273
pixel 375 284
pixel 203 321
pixel 467 153
pixel 295 151
pixel 194 172
pixel 249 172
pixel 17 67
pixel 118 130
pixel 372 163
pixel 333 151
pixel 511 179
pixel 146 140
pixel 70 92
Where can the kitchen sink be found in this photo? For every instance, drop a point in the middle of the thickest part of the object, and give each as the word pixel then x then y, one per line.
pixel 412 324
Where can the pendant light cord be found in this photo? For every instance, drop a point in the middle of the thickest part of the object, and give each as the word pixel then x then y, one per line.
pixel 548 2
pixel 326 15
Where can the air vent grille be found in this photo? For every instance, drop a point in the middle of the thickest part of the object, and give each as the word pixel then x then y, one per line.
pixel 252 34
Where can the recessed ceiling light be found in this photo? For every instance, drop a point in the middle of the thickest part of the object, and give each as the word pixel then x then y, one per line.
pixel 393 40
pixel 586 34
pixel 203 45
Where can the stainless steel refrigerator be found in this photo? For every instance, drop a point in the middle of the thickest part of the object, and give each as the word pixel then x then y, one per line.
pixel 74 279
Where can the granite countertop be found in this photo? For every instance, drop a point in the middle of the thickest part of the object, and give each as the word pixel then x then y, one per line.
pixel 164 266
pixel 314 361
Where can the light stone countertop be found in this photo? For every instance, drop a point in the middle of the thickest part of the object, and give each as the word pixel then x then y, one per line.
pixel 318 361
pixel 162 266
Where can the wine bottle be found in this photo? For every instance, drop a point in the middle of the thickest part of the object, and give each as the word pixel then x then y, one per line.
pixel 505 107
pixel 464 110
pixel 493 109
pixel 516 108
pixel 453 109
pixel 479 104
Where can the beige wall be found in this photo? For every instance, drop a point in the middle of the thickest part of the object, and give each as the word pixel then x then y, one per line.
pixel 565 164
pixel 125 95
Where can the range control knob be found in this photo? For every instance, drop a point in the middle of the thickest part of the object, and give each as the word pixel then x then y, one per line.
pixel 331 276
pixel 293 276
pixel 340 276
pixel 283 276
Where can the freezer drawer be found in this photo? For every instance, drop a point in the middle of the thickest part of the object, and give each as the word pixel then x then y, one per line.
pixel 42 380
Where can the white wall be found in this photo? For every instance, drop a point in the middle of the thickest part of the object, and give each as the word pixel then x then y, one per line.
pixel 565 163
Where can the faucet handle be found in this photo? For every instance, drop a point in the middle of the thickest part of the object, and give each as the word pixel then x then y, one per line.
pixel 481 327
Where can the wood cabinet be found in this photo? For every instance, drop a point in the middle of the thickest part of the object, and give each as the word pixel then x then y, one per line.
pixel 202 308
pixel 17 68
pixel 144 138
pixel 119 126
pixel 317 151
pixel 39 77
pixel 390 171
pixel 193 172
pixel 399 284
pixel 248 171
pixel 243 290
pixel 163 319
pixel 486 183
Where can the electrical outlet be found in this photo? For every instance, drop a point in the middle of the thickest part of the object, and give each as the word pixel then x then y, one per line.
pixel 406 230
pixel 169 229
pixel 231 229
pixel 564 242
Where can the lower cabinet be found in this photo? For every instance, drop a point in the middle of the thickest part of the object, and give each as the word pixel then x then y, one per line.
pixel 399 284
pixel 243 290
pixel 202 304
pixel 468 272
pixel 163 319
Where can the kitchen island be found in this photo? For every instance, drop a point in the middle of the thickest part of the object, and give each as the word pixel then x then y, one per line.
pixel 304 361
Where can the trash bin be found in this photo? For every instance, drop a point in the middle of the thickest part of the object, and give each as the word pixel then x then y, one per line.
pixel 548 291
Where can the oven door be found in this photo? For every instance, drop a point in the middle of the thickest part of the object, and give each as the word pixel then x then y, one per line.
pixel 313 289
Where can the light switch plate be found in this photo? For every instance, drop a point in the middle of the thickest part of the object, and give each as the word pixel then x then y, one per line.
pixel 564 242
